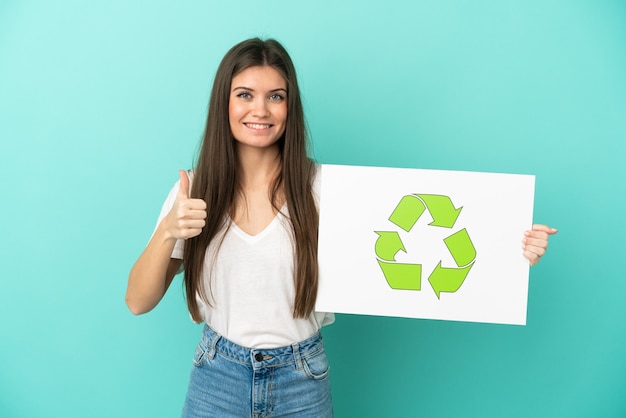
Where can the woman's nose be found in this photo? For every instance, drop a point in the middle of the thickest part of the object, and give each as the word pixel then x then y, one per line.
pixel 260 108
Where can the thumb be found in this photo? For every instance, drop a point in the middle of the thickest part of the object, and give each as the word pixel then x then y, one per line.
pixel 183 190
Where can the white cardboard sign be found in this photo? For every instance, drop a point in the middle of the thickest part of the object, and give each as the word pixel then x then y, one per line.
pixel 424 243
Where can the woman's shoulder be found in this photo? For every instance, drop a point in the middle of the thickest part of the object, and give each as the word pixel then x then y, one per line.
pixel 316 181
pixel 316 169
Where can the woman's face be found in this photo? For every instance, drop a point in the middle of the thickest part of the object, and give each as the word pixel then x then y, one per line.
pixel 257 108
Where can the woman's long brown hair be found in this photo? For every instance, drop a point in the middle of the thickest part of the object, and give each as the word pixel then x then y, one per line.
pixel 216 179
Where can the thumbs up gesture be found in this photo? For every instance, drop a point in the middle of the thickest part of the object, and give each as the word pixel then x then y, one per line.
pixel 187 216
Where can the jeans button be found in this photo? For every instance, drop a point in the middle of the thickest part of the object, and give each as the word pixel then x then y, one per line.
pixel 258 357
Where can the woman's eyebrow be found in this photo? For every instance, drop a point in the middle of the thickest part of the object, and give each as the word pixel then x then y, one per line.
pixel 279 90
pixel 251 89
pixel 242 88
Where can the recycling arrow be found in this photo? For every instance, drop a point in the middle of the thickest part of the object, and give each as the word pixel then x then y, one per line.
pixel 405 276
pixel 407 212
pixel 461 248
pixel 411 207
pixel 402 276
pixel 447 279
pixel 441 209
pixel 388 244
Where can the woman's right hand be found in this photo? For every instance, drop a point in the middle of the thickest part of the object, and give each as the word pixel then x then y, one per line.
pixel 187 216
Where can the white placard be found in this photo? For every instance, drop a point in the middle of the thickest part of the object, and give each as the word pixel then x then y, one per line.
pixel 424 243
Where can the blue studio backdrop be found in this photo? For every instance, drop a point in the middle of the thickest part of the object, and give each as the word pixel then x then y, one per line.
pixel 101 102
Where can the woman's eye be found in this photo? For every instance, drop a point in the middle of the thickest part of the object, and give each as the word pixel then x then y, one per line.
pixel 244 95
pixel 277 97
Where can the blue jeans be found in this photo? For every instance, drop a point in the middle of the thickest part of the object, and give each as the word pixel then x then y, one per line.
pixel 228 380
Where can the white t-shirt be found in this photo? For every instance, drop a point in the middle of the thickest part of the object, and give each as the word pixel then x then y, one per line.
pixel 252 287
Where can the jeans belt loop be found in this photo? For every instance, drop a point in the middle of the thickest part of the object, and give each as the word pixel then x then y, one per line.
pixel 212 343
pixel 296 355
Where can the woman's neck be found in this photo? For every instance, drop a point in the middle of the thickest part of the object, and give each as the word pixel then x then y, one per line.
pixel 258 167
pixel 256 206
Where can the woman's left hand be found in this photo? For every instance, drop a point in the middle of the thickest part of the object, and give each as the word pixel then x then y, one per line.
pixel 535 242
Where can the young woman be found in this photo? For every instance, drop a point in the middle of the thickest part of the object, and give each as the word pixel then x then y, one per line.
pixel 245 224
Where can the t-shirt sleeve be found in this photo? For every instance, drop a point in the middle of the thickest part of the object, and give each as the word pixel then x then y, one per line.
pixel 165 209
pixel 324 318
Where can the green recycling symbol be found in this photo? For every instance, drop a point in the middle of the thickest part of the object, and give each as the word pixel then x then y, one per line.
pixel 403 276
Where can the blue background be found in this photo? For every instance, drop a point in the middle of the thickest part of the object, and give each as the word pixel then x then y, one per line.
pixel 102 102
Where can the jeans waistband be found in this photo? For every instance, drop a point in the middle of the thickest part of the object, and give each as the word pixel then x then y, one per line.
pixel 261 357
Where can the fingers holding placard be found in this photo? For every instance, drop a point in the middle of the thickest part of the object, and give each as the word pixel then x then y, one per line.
pixel 535 242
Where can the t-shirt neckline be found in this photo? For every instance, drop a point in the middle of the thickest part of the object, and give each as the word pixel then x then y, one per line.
pixel 257 237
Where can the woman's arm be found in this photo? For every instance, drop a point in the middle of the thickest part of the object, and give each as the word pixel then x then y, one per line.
pixel 535 242
pixel 154 270
pixel 152 274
